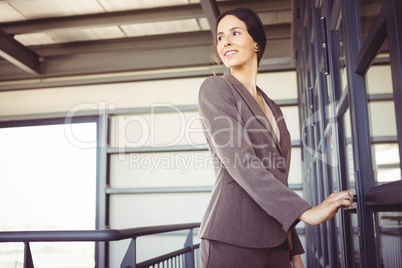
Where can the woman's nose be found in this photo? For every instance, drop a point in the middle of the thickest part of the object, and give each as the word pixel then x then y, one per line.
pixel 227 43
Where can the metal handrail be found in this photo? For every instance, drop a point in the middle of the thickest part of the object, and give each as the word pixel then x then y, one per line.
pixel 91 235
pixel 103 236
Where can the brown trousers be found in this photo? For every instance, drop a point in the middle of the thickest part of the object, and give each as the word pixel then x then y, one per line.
pixel 215 254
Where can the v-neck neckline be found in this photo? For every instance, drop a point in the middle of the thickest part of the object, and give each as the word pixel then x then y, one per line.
pixel 256 109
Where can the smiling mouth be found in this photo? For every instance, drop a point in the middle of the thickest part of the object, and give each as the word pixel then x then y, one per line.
pixel 230 53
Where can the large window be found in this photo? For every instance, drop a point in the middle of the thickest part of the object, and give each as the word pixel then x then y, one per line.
pixel 48 182
pixel 348 50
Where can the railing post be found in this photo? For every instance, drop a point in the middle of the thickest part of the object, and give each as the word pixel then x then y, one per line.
pixel 130 259
pixel 189 256
pixel 28 262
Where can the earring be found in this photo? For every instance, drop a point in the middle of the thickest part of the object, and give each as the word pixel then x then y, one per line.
pixel 256 49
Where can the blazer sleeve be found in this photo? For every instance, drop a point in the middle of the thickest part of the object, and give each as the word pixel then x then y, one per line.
pixel 220 118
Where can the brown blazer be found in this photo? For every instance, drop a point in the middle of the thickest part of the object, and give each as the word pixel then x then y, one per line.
pixel 251 204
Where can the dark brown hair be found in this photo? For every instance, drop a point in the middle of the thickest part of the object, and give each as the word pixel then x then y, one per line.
pixel 254 25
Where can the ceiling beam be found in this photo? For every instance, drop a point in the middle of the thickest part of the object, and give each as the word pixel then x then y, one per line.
pixel 134 16
pixel 123 60
pixel 15 53
pixel 211 11
pixel 79 80
pixel 102 66
pixel 267 65
pixel 147 43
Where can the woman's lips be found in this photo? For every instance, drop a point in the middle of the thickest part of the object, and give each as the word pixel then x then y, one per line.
pixel 230 53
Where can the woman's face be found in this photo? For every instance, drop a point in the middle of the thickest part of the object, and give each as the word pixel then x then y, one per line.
pixel 235 46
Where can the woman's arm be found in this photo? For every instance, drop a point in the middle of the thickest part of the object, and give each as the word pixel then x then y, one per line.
pixel 296 262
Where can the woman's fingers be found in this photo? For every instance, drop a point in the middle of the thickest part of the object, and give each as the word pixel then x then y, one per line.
pixel 351 193
pixel 347 195
pixel 349 199
pixel 347 202
pixel 342 199
pixel 336 200
pixel 329 207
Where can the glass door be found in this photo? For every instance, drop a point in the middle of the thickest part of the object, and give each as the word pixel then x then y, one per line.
pixel 350 97
pixel 374 58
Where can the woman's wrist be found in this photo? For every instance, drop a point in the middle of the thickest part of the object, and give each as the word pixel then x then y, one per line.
pixel 305 216
pixel 296 262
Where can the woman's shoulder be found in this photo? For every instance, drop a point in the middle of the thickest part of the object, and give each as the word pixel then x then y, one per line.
pixel 215 88
pixel 213 79
pixel 214 83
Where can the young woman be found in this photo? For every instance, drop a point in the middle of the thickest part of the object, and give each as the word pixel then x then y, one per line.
pixel 251 218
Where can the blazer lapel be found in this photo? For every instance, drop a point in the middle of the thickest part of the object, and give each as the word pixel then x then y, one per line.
pixel 255 107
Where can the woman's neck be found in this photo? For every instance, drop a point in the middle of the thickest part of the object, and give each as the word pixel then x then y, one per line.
pixel 248 77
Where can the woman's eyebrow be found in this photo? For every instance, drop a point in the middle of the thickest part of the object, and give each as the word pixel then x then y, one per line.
pixel 234 28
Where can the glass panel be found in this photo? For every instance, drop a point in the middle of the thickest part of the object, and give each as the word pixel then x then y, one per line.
pixel 48 182
pixel 390 243
pixel 387 162
pixel 295 171
pixel 337 163
pixel 379 80
pixel 382 119
pixel 334 168
pixel 135 210
pixel 349 152
pixel 156 129
pixel 351 242
pixel 342 60
pixel 167 169
pixel 383 129
pixel 355 241
pixel 338 235
pixel 369 10
pixel 291 115
pixel 319 123
pixel 350 216
pixel 273 85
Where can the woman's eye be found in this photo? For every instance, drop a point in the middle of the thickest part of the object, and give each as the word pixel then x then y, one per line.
pixel 220 38
pixel 236 33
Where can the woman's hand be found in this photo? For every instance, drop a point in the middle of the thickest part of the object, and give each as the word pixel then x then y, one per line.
pixel 328 208
pixel 296 262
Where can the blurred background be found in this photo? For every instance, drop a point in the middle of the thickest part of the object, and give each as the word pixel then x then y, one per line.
pixel 99 123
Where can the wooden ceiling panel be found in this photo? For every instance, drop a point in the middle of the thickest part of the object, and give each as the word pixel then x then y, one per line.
pixel 8 13
pixel 120 5
pixel 163 27
pixel 71 38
